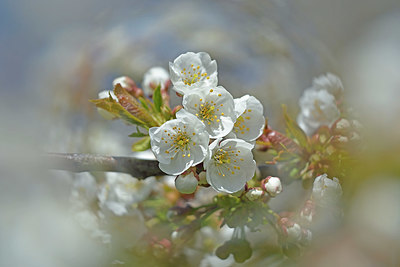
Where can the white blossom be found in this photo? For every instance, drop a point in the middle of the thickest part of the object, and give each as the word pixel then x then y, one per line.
pixel 318 108
pixel 122 190
pixel 214 107
pixel 250 120
pixel 154 77
pixel 104 113
pixel 229 165
pixel 180 143
pixel 326 191
pixel 272 186
pixel 192 70
pixel 186 183
pixel 329 82
pixel 294 233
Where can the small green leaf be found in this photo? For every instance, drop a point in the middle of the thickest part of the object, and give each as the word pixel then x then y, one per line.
pixel 115 108
pixel 143 102
pixel 141 145
pixel 157 99
pixel 138 133
pixel 295 130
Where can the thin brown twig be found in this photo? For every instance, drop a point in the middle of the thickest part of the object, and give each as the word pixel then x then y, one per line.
pixel 77 162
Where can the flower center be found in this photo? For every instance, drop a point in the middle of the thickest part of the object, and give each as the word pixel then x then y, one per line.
pixel 226 161
pixel 193 75
pixel 240 125
pixel 221 157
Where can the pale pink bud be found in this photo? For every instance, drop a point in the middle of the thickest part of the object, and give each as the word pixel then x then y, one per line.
pixel 272 185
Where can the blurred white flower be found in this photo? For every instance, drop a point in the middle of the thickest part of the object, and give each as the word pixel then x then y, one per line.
pixel 124 81
pixel 318 108
pixel 179 144
pixel 329 82
pixel 186 183
pixel 154 77
pixel 192 70
pixel 229 165
pixel 129 85
pixel 250 120
pixel 104 113
pixel 122 190
pixel 214 107
pixel 294 233
pixel 272 185
pixel 326 191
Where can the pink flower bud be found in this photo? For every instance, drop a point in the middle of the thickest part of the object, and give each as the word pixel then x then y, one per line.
pixel 129 85
pixel 272 185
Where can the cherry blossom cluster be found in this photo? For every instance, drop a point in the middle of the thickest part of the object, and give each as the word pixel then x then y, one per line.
pixel 212 129
pixel 319 103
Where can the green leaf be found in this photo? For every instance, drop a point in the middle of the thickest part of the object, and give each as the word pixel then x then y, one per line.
pixel 141 145
pixel 295 130
pixel 157 99
pixel 138 133
pixel 143 102
pixel 112 106
pixel 132 105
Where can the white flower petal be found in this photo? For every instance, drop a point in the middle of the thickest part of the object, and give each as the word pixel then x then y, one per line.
pixel 318 108
pixel 179 144
pixel 230 165
pixel 214 107
pixel 192 70
pixel 154 77
pixel 329 82
pixel 250 122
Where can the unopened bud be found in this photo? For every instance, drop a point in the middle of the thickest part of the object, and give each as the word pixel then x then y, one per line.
pixel 186 183
pixel 254 193
pixel 341 126
pixel 104 113
pixel 272 185
pixel 129 85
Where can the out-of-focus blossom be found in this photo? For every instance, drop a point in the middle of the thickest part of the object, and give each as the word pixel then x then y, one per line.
pixel 214 106
pixel 186 183
pixel 179 144
pixel 329 82
pixel 326 192
pixel 308 211
pixel 291 230
pixel 154 77
pixel 272 185
pixel 193 70
pixel 229 165
pixel 122 190
pixel 250 120
pixel 318 108
pixel 129 85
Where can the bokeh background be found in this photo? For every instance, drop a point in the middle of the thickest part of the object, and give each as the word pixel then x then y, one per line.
pixel 55 55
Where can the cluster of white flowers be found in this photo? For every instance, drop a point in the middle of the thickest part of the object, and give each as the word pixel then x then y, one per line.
pixel 318 103
pixel 212 127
